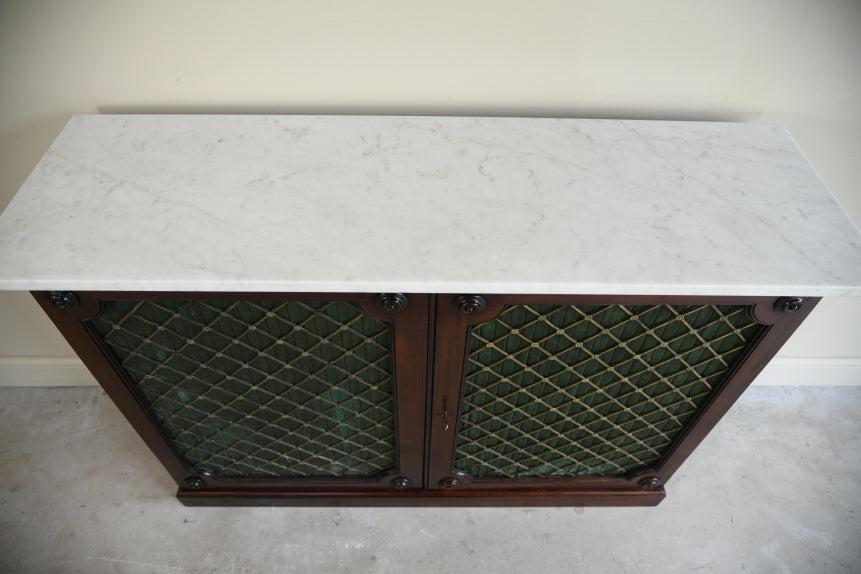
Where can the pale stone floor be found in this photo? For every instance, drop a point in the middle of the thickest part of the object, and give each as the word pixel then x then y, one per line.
pixel 775 488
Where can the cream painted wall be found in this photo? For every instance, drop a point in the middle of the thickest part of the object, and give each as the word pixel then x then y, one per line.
pixel 791 62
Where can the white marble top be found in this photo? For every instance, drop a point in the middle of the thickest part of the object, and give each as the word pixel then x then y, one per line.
pixel 426 204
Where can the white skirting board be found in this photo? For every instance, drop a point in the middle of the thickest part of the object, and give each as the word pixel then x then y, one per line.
pixel 70 372
pixel 44 372
pixel 811 371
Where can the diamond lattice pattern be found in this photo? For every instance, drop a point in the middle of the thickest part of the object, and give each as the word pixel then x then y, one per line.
pixel 555 391
pixel 262 388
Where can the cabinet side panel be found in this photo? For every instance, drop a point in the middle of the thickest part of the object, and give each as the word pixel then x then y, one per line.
pixel 69 320
pixel 782 317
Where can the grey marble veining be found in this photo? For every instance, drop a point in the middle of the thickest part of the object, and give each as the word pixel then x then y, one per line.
pixel 426 204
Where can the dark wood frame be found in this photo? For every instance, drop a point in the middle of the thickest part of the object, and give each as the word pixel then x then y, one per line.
pixel 409 353
pixel 454 326
pixel 430 339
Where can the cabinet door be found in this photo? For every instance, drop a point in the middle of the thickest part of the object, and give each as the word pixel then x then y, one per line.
pixel 263 395
pixel 593 400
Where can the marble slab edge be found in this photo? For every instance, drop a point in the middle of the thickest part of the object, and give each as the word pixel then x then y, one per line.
pixel 439 288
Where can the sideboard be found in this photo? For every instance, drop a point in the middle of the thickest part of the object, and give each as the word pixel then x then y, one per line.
pixel 365 310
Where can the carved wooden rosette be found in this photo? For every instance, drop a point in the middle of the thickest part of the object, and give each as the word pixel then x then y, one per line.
pixel 63 299
pixel 470 304
pixel 789 304
pixel 450 483
pixel 401 482
pixel 391 302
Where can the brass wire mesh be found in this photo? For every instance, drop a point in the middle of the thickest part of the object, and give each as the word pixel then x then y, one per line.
pixel 262 388
pixel 601 390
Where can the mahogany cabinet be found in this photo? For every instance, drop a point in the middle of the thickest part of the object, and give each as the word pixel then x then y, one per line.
pixel 422 399
pixel 412 310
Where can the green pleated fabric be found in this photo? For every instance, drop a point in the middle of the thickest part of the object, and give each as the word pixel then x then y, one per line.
pixel 601 390
pixel 262 388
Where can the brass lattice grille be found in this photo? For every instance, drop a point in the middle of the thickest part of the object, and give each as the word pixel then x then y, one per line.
pixel 564 390
pixel 262 388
